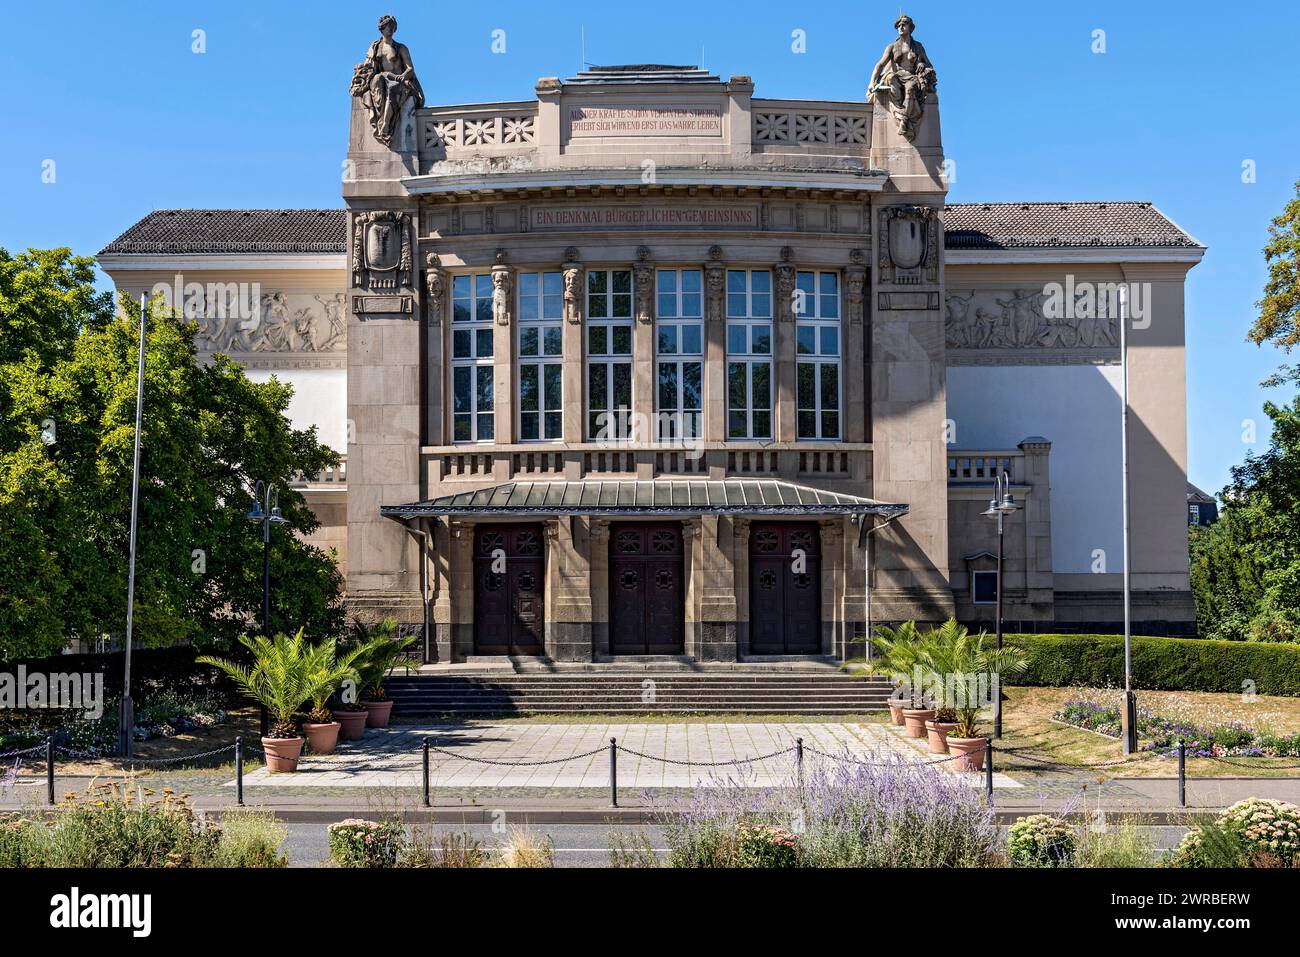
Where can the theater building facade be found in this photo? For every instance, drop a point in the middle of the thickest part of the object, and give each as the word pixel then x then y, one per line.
pixel 644 364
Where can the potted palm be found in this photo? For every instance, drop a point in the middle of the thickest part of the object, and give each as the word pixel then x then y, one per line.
pixel 381 649
pixel 896 655
pixel 963 667
pixel 279 679
pixel 936 729
pixel 329 668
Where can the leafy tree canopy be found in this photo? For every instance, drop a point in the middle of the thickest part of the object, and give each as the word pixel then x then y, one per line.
pixel 1279 310
pixel 67 424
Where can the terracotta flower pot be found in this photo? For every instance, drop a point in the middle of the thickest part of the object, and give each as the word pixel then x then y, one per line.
pixel 937 731
pixel 896 706
pixel 282 754
pixel 914 720
pixel 969 751
pixel 352 724
pixel 322 738
pixel 378 712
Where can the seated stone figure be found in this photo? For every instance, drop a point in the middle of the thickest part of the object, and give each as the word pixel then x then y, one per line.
pixel 903 78
pixel 386 82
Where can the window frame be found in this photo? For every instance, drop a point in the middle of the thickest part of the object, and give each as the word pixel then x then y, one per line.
pixel 817 321
pixel 677 310
pixel 477 322
pixel 749 318
pixel 974 573
pixel 608 360
pixel 548 317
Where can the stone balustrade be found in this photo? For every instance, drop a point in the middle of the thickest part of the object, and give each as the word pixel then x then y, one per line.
pixel 982 467
pixel 479 128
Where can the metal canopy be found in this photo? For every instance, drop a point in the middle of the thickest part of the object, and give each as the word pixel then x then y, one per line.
pixel 660 497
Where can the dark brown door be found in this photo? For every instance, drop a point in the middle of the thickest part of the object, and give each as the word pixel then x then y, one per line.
pixel 647 598
pixel 508 602
pixel 784 589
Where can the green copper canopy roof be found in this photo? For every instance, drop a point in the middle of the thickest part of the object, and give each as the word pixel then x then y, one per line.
pixel 660 497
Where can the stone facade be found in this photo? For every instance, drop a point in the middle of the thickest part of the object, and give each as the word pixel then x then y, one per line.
pixel 491 251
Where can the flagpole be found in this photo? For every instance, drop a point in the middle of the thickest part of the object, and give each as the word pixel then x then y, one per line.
pixel 1130 705
pixel 126 725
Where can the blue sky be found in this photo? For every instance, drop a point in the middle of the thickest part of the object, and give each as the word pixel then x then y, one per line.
pixel 1184 94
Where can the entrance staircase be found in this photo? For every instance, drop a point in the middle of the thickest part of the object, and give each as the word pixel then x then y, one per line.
pixel 809 688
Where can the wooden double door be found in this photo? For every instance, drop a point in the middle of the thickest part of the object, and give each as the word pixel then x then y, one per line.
pixel 509 603
pixel 784 588
pixel 647 601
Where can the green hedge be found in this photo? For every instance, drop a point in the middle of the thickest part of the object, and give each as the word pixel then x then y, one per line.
pixel 1160 664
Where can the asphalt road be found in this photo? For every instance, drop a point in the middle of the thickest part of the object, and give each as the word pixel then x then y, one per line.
pixel 576 845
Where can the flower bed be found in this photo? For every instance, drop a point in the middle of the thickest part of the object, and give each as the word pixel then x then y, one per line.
pixel 1159 733
pixel 163 715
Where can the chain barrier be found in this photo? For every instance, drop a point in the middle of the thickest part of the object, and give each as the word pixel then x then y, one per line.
pixel 707 764
pixel 1238 763
pixel 18 754
pixel 899 761
pixel 147 762
pixel 518 764
pixel 1061 765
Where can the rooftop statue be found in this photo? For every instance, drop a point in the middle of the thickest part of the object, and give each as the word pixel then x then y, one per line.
pixel 902 79
pixel 386 82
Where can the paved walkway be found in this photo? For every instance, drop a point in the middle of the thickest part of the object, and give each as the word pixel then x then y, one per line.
pixel 577 755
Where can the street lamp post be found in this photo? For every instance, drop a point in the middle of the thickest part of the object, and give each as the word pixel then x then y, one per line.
pixel 266 509
pixel 126 715
pixel 1002 505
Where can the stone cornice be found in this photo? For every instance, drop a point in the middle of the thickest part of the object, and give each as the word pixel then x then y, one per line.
pixel 870 181
pixel 223 261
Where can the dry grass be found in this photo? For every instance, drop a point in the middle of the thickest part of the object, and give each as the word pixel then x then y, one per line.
pixel 1027 723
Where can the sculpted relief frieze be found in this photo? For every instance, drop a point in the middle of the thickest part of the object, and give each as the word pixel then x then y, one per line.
pixel 283 330
pixel 991 326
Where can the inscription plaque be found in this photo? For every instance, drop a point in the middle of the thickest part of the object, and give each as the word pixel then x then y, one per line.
pixel 668 120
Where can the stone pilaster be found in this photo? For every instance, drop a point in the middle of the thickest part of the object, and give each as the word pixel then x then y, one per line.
pixel 575 288
pixel 568 601
pixel 715 355
pixel 853 355
pixel 1039 592
pixel 598 565
pixel 908 410
pixel 643 355
pixel 714 561
pixel 832 584
pixel 740 528
pixel 461 561
pixel 503 353
pixel 386 409
pixel 783 348
pixel 437 287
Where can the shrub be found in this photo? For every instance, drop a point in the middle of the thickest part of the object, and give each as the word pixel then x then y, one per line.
pixel 1160 664
pixel 765 845
pixel 1120 846
pixel 16 836
pixel 445 849
pixel 1041 840
pixel 889 813
pixel 1255 832
pixel 251 839
pixel 522 849
pixel 360 843
pixel 631 850
pixel 117 826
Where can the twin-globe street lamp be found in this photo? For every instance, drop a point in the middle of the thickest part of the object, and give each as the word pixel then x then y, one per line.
pixel 266 509
pixel 1002 505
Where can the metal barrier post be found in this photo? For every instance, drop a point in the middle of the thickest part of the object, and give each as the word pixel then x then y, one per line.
pixel 988 769
pixel 1182 773
pixel 798 762
pixel 49 769
pixel 613 772
pixel 426 772
pixel 239 770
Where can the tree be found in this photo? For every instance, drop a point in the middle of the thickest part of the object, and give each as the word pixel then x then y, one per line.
pixel 1245 568
pixel 67 422
pixel 1279 310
